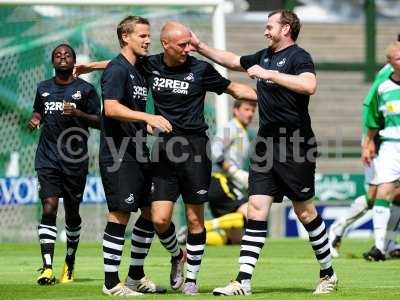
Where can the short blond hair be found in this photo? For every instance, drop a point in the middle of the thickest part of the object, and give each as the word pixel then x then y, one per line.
pixel 391 48
pixel 127 26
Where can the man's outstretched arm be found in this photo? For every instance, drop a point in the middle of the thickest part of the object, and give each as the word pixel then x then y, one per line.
pixel 224 58
pixel 84 68
pixel 241 92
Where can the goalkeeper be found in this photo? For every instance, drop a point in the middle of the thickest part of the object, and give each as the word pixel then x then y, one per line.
pixel 229 182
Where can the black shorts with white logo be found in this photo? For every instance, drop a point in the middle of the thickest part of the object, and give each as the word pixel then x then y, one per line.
pixel 222 199
pixel 283 169
pixel 181 166
pixel 126 187
pixel 55 183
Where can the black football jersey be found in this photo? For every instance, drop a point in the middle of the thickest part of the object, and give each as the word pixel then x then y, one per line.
pixel 179 92
pixel 63 140
pixel 280 107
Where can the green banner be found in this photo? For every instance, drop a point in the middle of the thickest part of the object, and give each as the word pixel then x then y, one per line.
pixel 339 187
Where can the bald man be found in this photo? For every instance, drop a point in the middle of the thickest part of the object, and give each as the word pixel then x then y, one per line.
pixel 181 163
pixel 179 83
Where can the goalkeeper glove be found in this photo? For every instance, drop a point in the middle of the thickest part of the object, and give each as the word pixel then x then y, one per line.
pixel 239 177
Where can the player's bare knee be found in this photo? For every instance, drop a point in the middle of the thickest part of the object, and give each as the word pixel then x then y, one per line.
pixel 119 217
pixel 305 216
pixel 386 191
pixel 195 224
pixel 255 206
pixel 257 210
pixel 195 218
pixel 385 195
pixel 50 206
pixel 161 222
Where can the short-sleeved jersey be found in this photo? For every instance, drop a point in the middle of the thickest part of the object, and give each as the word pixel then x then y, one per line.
pixel 232 143
pixel 387 111
pixel 280 107
pixel 179 92
pixel 63 140
pixel 372 96
pixel 125 83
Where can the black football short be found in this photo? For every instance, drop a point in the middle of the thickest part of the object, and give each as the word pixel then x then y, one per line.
pixel 282 169
pixel 181 166
pixel 221 197
pixel 127 187
pixel 55 183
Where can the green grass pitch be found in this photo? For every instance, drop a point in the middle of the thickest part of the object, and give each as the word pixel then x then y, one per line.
pixel 286 270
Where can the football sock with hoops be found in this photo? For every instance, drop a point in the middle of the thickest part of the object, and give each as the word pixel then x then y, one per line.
pixel 195 249
pixel 170 242
pixel 142 237
pixel 253 241
pixel 73 232
pixel 319 241
pixel 47 232
pixel 113 244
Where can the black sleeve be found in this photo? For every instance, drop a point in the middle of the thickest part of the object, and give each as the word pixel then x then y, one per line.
pixel 213 81
pixel 92 102
pixel 302 62
pixel 145 65
pixel 113 82
pixel 247 61
pixel 38 104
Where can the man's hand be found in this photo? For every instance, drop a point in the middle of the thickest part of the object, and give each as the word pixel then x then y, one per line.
pixel 257 71
pixel 80 69
pixel 194 42
pixel 34 123
pixel 149 129
pixel 368 152
pixel 70 109
pixel 159 122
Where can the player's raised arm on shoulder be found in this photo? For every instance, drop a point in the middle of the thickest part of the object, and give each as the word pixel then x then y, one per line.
pixel 224 58
pixel 114 109
pixel 84 68
pixel 241 92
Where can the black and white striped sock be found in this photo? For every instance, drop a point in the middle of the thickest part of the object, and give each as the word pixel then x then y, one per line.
pixel 170 242
pixel 47 232
pixel 320 244
pixel 252 242
pixel 73 234
pixel 142 237
pixel 113 244
pixel 194 250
